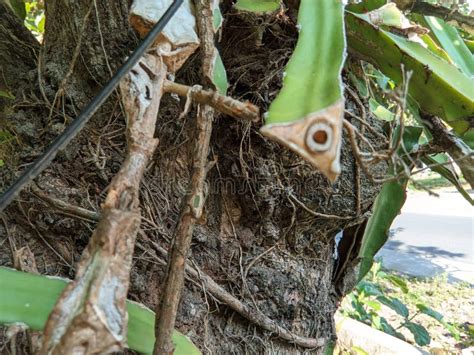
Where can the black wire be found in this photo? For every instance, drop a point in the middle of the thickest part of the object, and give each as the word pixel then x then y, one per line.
pixel 72 130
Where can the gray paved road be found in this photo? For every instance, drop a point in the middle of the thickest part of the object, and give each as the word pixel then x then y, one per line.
pixel 432 236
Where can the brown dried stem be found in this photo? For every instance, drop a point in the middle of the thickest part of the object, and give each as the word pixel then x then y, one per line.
pixel 453 145
pixel 225 104
pixel 90 316
pixel 167 307
pixel 65 207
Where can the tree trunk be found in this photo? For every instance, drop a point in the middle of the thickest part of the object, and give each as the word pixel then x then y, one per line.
pixel 18 50
pixel 263 236
pixel 18 53
pixel 83 49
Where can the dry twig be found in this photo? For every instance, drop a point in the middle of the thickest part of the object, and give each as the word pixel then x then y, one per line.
pixel 65 207
pixel 167 307
pixel 456 148
pixel 225 104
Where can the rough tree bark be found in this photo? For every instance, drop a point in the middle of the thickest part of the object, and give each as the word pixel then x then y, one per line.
pixel 258 237
pixel 18 50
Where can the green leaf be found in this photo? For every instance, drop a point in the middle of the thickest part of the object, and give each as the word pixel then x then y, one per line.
pixel 387 328
pixel 376 322
pixel 6 95
pixel 470 45
pixel 28 299
pixel 435 48
pixel 429 311
pixel 449 175
pixel 360 85
pixel 383 81
pixel 312 80
pixel 2 163
pixel 439 87
pixel 421 335
pixel 329 348
pixel 439 317
pixel 365 6
pixel 468 138
pixel 369 288
pixel 376 270
pixel 397 281
pixel 387 205
pixel 450 40
pixel 41 24
pixel 5 137
pixel 359 351
pixel 219 75
pixel 360 312
pixel 381 112
pixel 411 138
pixel 217 18
pixel 376 306
pixel 258 5
pixel 394 304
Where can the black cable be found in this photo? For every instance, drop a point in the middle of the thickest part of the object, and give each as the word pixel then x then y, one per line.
pixel 72 130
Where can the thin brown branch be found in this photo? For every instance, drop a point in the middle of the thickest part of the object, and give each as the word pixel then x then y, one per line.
pixel 466 158
pixel 65 207
pixel 174 281
pixel 314 213
pixel 401 103
pixel 90 316
pixel 356 151
pixel 453 145
pixel 245 311
pixel 225 104
pixel 167 307
pixel 366 125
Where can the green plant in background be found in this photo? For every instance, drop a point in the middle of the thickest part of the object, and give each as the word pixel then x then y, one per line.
pixel 35 17
pixel 32 12
pixel 435 69
pixel 366 301
pixel 437 86
pixel 6 95
pixel 6 137
pixel 28 299
pixel 257 5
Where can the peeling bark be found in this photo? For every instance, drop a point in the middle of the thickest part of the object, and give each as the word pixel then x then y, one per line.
pixel 91 317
